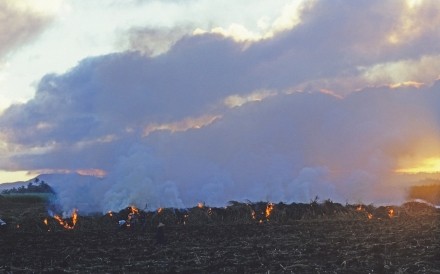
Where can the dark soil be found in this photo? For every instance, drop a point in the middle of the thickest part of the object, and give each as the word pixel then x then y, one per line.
pixel 328 239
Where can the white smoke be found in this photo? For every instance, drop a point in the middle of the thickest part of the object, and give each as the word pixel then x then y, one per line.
pixel 192 124
pixel 288 148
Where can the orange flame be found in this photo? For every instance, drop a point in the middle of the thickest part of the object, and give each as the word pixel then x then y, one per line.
pixel 159 210
pixel 74 217
pixel 391 213
pixel 200 205
pixel 134 210
pixel 45 221
pixel 65 224
pixel 131 216
pixel 360 208
pixel 269 209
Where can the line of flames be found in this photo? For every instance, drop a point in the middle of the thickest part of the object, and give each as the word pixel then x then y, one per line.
pixel 360 208
pixel 64 223
pixel 134 210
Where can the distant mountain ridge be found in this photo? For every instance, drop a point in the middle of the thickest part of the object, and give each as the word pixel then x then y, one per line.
pixel 4 186
pixel 54 180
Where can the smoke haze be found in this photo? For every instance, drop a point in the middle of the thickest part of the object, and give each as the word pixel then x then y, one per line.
pixel 330 107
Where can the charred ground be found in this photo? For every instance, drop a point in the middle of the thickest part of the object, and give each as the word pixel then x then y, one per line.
pixel 249 237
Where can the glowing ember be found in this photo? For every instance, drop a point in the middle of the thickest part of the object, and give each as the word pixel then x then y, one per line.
pixel 110 214
pixel 391 213
pixel 134 210
pixel 269 209
pixel 361 208
pixel 45 221
pixel 200 205
pixel 159 210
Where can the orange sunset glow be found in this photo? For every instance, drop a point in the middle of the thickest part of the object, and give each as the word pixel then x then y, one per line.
pixel 429 165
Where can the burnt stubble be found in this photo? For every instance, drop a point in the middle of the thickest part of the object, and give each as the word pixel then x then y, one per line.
pixel 296 238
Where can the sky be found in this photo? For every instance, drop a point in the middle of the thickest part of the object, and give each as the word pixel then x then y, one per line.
pixel 178 101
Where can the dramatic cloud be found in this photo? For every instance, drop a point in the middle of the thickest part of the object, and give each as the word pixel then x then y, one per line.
pixel 333 106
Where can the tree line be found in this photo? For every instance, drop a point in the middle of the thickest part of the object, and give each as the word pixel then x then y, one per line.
pixel 32 187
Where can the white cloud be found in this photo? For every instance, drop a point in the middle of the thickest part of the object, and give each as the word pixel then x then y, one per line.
pixel 239 100
pixel 425 69
pixel 267 27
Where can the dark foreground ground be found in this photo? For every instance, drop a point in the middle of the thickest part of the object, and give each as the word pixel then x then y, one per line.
pixel 346 242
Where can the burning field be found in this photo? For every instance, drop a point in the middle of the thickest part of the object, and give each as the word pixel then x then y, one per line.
pixel 319 237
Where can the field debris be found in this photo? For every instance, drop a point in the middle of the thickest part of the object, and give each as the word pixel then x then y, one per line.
pixel 244 237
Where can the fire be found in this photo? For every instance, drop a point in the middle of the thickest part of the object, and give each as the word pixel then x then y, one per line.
pixel 110 213
pixel 361 208
pixel 65 224
pixel 132 217
pixel 74 217
pixel 391 213
pixel 134 210
pixel 46 222
pixel 200 205
pixel 159 210
pixel 269 209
